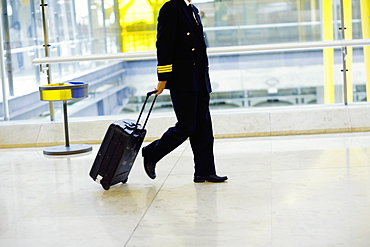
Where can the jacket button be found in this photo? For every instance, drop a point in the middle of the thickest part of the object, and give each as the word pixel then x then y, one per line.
pixel 193 49
pixel 188 34
pixel 194 64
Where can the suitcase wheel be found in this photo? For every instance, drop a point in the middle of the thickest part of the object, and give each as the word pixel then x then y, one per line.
pixel 106 186
pixel 125 181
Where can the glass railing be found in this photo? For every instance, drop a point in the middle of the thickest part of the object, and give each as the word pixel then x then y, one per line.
pixel 242 76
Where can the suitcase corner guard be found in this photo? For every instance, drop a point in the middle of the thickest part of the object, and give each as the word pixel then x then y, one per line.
pixel 98 179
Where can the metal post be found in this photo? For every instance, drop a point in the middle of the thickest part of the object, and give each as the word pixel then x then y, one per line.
pixel 57 36
pixel 3 79
pixel 104 27
pixel 344 54
pixel 118 29
pixel 365 21
pixel 46 46
pixel 347 17
pixel 91 28
pixel 8 54
pixel 74 28
pixel 34 37
pixel 77 49
pixel 301 18
pixel 66 132
pixel 328 53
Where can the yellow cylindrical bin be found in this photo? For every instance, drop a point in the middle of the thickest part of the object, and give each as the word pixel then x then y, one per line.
pixel 63 91
pixel 55 92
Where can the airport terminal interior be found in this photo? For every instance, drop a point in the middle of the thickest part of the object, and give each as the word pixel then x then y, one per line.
pixel 290 110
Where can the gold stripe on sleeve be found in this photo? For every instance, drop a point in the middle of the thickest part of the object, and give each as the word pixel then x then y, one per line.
pixel 165 68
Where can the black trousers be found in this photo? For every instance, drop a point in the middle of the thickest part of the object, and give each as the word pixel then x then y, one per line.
pixel 193 122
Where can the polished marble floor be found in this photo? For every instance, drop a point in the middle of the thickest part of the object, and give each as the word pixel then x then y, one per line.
pixel 292 191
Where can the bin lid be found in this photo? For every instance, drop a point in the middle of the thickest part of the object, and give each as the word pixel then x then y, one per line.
pixel 63 91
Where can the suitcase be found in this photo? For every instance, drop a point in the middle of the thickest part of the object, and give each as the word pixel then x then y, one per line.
pixel 119 149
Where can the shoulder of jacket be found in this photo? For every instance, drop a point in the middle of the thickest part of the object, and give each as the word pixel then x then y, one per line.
pixel 170 7
pixel 171 3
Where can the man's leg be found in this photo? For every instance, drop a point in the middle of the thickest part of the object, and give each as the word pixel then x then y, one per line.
pixel 185 107
pixel 202 138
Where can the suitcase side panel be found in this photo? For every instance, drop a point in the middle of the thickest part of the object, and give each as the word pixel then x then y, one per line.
pixel 112 157
pixel 132 144
pixel 102 152
pixel 117 153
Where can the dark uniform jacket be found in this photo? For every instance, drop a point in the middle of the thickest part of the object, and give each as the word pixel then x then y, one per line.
pixel 181 48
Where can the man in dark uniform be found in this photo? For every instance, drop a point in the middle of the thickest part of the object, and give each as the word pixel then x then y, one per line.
pixel 183 69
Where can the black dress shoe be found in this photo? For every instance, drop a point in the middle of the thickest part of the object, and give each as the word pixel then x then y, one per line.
pixel 210 178
pixel 149 166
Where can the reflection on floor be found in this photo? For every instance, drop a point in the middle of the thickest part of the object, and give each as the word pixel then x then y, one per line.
pixel 282 191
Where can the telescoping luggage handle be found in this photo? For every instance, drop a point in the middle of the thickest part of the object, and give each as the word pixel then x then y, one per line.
pixel 142 109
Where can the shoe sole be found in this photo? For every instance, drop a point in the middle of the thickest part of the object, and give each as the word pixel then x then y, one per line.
pixel 209 181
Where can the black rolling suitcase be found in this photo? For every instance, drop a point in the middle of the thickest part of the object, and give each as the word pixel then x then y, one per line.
pixel 119 149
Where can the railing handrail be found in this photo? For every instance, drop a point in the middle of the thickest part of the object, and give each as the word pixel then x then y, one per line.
pixel 272 25
pixel 214 51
